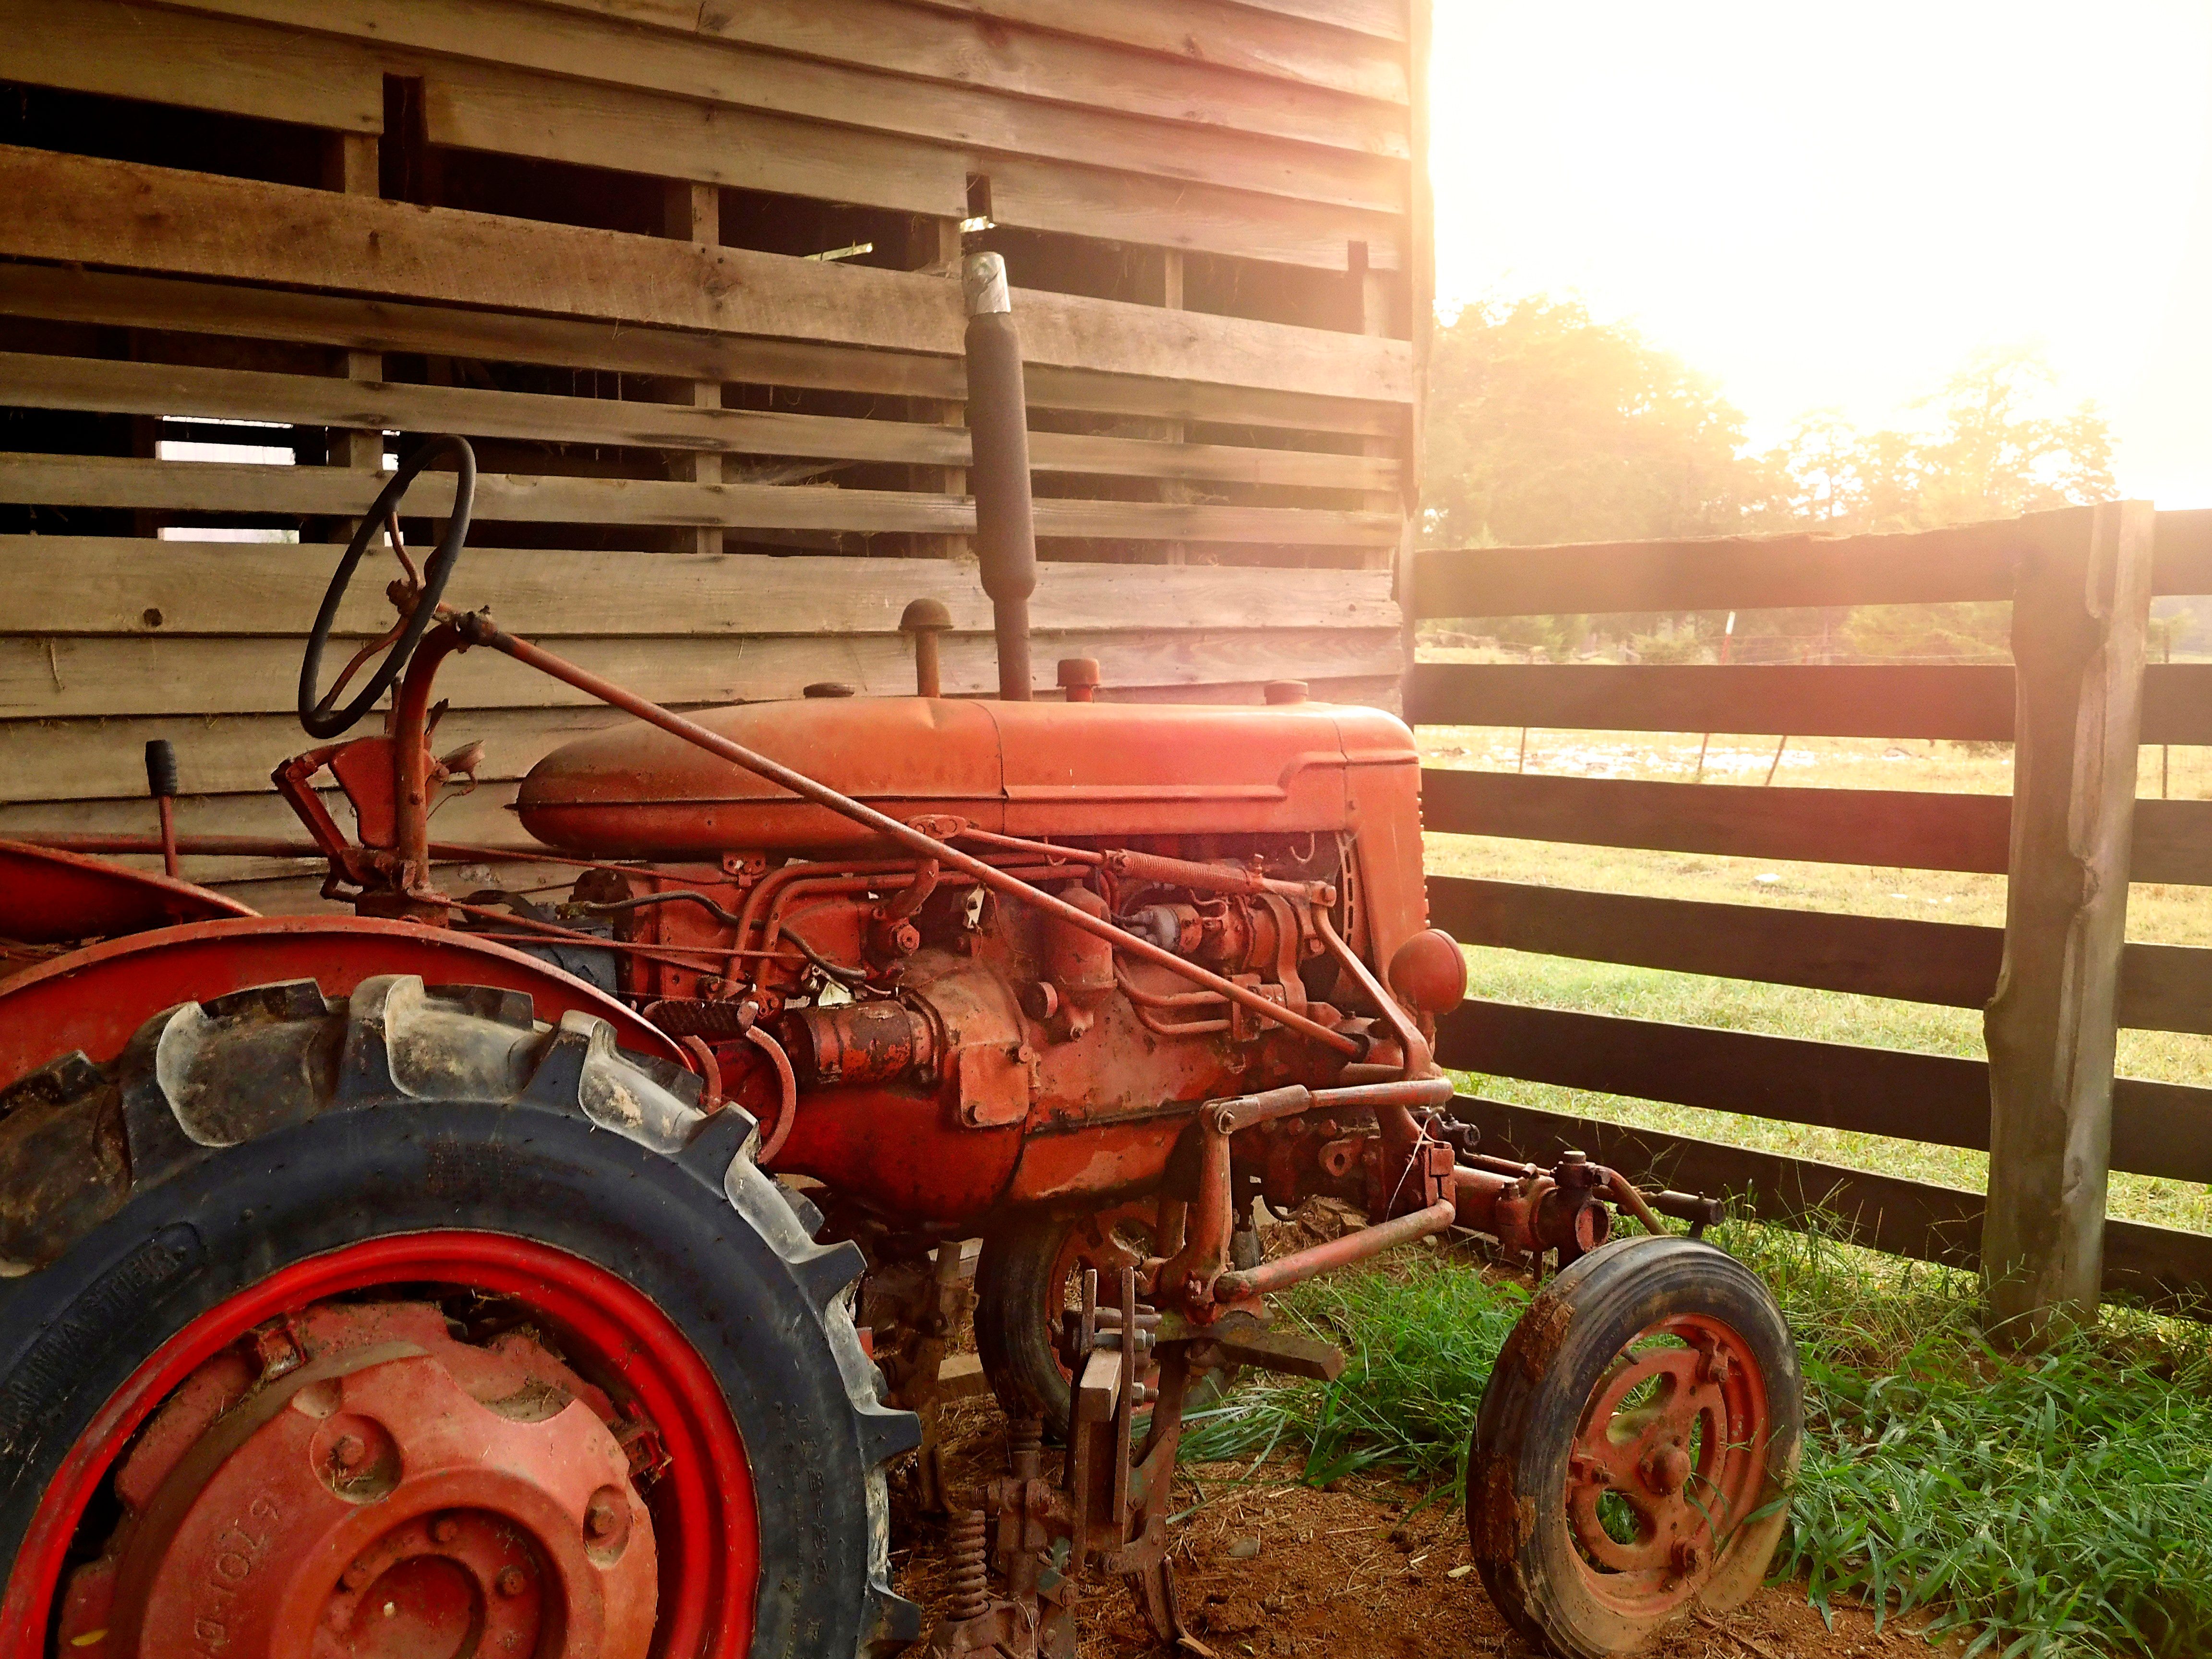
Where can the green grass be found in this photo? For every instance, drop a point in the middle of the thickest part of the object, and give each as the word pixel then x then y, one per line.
pixel 2053 1506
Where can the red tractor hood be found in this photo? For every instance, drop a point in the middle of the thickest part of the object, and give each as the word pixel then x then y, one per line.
pixel 1037 768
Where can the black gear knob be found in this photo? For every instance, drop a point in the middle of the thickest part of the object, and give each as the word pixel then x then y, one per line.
pixel 162 768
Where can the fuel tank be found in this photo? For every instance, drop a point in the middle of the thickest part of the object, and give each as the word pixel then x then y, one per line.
pixel 1073 769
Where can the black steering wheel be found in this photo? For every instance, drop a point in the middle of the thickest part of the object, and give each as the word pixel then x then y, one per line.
pixel 325 722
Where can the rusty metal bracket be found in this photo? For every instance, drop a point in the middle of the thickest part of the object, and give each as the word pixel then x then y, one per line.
pixel 1108 1513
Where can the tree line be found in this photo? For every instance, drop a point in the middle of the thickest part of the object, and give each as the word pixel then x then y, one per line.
pixel 1545 426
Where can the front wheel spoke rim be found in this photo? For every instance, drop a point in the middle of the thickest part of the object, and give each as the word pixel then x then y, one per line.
pixel 1695 1407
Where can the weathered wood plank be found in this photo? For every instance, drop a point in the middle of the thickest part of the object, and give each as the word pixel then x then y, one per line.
pixel 104 676
pixel 28 381
pixel 477 818
pixel 98 585
pixel 2166 987
pixel 2163 988
pixel 2181 553
pixel 1065 69
pixel 507 111
pixel 2079 618
pixel 1948 963
pixel 585 48
pixel 2177 703
pixel 2174 843
pixel 1886 828
pixel 1905 702
pixel 1384 19
pixel 1882 1092
pixel 228 487
pixel 1127 207
pixel 2167 1268
pixel 76 761
pixel 119 213
pixel 2158 1128
pixel 358 325
pixel 1238 37
pixel 1915 1218
pixel 125 50
pixel 1746 573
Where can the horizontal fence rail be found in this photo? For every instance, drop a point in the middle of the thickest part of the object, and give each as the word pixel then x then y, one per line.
pixel 1969 702
pixel 2163 988
pixel 2159 1129
pixel 2156 1129
pixel 1978 561
pixel 1890 828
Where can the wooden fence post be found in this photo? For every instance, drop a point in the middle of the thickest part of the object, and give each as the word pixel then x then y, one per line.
pixel 2080 603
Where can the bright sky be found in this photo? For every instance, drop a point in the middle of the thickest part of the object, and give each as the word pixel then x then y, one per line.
pixel 1830 205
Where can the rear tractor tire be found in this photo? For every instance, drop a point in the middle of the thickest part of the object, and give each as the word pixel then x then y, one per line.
pixel 405 1324
pixel 1633 1454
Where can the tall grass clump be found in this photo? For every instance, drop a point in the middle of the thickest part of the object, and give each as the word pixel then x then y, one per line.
pixel 2054 1505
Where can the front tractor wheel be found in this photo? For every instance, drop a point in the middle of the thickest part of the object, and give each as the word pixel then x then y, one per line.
pixel 404 1326
pixel 1635 1447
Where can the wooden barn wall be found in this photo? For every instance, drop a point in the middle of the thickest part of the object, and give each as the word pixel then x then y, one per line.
pixel 247 247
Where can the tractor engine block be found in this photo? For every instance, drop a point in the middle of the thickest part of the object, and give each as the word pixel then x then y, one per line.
pixel 949 1049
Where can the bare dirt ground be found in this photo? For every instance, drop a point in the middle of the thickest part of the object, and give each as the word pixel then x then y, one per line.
pixel 1364 1570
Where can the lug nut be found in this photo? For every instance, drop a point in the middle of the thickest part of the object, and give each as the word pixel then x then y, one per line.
pixel 444 1529
pixel 348 1451
pixel 356 1576
pixel 600 1519
pixel 511 1581
pixel 1689 1559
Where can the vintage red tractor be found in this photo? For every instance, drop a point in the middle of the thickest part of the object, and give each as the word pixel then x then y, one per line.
pixel 477 1274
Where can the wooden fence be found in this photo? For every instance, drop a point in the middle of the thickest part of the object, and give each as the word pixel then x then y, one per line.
pixel 2057 980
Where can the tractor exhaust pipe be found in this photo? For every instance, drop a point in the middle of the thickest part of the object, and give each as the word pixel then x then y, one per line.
pixel 998 474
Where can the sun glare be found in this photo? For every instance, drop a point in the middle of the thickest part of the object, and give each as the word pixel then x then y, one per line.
pixel 1829 207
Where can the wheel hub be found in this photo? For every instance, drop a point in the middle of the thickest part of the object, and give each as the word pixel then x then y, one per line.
pixel 354 1482
pixel 1666 1464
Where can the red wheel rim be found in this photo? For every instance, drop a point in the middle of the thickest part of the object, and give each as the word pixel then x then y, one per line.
pixel 1667 1464
pixel 702 1506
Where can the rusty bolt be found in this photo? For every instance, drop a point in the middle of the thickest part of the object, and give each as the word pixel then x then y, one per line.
pixel 348 1451
pixel 1688 1558
pixel 444 1529
pixel 511 1581
pixel 356 1576
pixel 600 1519
pixel 1715 1367
pixel 1589 1469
